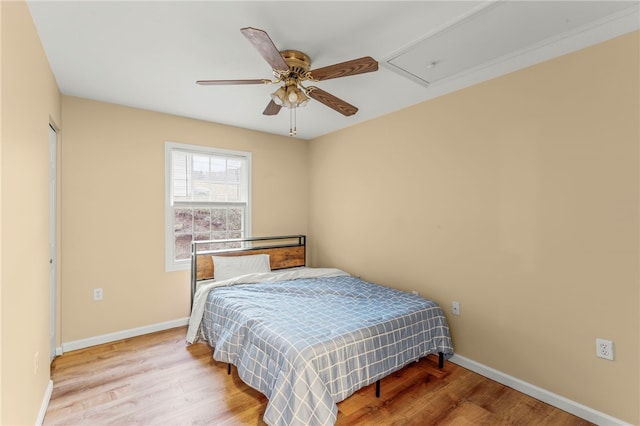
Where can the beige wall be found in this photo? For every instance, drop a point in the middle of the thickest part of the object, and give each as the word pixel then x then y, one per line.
pixel 112 200
pixel 518 198
pixel 30 100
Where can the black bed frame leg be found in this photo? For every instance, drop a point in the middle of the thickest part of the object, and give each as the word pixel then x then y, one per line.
pixel 440 360
pixel 229 368
pixel 377 388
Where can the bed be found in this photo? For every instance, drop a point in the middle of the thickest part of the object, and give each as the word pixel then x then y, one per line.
pixel 306 338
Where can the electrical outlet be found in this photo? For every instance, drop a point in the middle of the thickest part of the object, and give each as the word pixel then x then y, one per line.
pixel 604 349
pixel 415 292
pixel 455 308
pixel 97 294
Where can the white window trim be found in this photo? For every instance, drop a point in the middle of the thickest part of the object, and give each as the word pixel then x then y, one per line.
pixel 181 265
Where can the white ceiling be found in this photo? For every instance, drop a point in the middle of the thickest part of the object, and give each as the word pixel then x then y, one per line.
pixel 148 54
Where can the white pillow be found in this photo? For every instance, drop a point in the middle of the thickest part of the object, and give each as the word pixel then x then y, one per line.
pixel 225 267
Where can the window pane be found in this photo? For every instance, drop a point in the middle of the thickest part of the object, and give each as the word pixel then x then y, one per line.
pixel 201 177
pixel 202 220
pixel 234 168
pixel 183 247
pixel 225 192
pixel 234 219
pixel 201 166
pixel 201 237
pixel 219 170
pixel 201 191
pixel 218 219
pixel 220 236
pixel 227 236
pixel 183 220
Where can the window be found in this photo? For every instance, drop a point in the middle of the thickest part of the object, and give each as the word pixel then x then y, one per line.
pixel 207 197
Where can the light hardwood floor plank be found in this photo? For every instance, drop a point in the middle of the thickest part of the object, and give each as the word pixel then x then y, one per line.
pixel 158 379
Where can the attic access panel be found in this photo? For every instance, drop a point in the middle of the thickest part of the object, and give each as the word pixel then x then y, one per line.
pixel 496 32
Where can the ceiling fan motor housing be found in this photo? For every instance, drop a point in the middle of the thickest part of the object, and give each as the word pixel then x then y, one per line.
pixel 299 63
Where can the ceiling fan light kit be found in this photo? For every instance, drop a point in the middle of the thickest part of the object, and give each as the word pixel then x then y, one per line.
pixel 290 95
pixel 292 67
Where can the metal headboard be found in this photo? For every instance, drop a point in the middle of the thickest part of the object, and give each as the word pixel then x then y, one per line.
pixel 286 251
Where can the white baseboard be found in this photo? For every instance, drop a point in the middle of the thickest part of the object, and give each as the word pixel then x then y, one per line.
pixel 124 334
pixel 45 403
pixel 538 393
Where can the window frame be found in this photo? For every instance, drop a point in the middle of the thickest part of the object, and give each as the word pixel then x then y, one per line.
pixel 179 265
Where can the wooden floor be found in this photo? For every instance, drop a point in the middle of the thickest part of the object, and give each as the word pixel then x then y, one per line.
pixel 157 379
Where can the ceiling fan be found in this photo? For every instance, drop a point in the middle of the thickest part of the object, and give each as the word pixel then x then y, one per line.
pixel 292 68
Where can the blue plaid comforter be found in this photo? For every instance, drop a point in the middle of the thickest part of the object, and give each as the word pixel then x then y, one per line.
pixel 309 343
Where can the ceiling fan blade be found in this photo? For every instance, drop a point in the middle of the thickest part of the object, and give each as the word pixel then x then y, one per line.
pixel 343 69
pixel 261 41
pixel 223 82
pixel 331 101
pixel 272 108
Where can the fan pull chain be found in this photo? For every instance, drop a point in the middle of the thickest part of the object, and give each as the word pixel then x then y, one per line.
pixel 292 121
